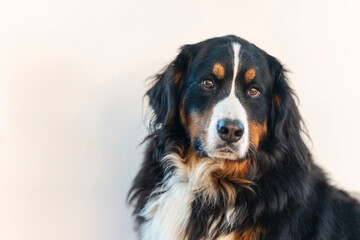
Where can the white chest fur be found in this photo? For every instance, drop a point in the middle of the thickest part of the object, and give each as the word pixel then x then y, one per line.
pixel 168 209
pixel 167 214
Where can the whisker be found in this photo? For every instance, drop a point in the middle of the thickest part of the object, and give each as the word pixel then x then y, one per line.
pixel 252 149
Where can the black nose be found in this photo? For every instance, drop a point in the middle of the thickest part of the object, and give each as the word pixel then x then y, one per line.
pixel 230 130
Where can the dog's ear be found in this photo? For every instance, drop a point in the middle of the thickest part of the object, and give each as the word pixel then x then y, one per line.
pixel 165 94
pixel 285 119
pixel 283 108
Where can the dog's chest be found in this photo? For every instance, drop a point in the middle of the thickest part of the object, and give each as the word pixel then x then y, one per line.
pixel 167 214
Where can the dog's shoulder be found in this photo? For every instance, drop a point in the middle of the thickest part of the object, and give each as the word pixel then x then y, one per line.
pixel 335 213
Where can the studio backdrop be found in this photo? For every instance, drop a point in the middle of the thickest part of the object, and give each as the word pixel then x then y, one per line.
pixel 72 114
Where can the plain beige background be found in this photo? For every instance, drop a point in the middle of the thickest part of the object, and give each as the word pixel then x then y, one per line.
pixel 72 77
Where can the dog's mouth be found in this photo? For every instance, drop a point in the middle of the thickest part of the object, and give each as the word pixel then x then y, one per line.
pixel 227 149
pixel 221 152
pixel 225 153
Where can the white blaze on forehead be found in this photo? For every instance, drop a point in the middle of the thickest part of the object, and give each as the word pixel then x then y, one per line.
pixel 236 48
pixel 229 108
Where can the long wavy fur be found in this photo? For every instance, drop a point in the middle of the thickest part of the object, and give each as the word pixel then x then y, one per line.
pixel 283 183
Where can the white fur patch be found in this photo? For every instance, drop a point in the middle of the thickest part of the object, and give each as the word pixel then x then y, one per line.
pixel 168 213
pixel 169 207
pixel 229 108
pixel 236 48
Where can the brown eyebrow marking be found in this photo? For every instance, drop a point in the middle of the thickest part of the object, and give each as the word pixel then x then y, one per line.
pixel 219 70
pixel 250 75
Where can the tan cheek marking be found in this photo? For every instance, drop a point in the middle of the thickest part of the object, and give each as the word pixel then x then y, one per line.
pixel 257 132
pixel 193 121
pixel 197 123
pixel 277 100
pixel 219 70
pixel 250 75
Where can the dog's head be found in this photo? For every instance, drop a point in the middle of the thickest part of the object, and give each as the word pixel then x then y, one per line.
pixel 225 98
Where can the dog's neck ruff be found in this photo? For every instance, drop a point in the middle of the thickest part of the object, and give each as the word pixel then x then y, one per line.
pixel 169 207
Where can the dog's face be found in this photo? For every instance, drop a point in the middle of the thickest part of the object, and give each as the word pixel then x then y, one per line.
pixel 226 101
pixel 221 92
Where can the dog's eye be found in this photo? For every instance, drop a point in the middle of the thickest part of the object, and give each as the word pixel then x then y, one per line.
pixel 253 92
pixel 208 83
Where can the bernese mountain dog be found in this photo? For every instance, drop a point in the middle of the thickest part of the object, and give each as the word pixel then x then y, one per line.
pixel 226 157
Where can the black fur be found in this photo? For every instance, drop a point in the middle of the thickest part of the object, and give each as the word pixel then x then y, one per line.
pixel 291 197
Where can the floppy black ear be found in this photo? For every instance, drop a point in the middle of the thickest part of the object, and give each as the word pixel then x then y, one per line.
pixel 165 94
pixel 164 98
pixel 285 120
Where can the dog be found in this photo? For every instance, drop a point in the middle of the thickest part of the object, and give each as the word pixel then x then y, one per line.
pixel 226 158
